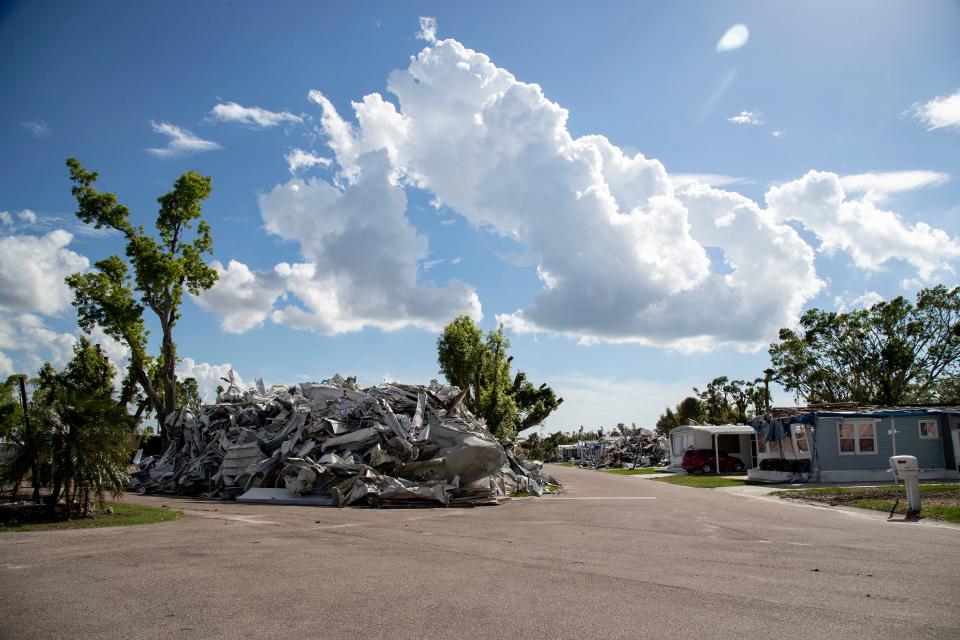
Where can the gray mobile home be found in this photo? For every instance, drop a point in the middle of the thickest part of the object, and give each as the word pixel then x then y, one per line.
pixel 855 445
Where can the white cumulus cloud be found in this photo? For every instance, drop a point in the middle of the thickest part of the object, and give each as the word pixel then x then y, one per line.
pixel 298 159
pixel 32 269
pixel 362 255
pixel 6 366
pixel 871 235
pixel 26 341
pixel 734 38
pixel 31 342
pixel 428 29
pixel 621 250
pixel 865 300
pixel 241 298
pixel 208 377
pixel 884 182
pixel 941 112
pixel 624 252
pixel 711 179
pixel 251 116
pixel 181 142
pixel 747 117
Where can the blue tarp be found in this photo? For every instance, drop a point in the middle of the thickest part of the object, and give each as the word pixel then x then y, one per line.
pixel 770 431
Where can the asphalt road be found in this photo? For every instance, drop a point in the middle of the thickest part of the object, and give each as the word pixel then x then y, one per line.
pixel 614 557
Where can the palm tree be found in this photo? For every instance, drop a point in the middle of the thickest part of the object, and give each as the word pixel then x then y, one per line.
pixel 80 437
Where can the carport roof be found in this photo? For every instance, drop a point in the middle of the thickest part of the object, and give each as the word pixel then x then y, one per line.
pixel 715 429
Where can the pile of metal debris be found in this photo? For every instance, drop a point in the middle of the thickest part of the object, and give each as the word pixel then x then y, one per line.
pixel 332 443
pixel 643 448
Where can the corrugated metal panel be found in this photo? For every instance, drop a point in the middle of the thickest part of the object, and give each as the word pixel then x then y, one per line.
pixel 715 429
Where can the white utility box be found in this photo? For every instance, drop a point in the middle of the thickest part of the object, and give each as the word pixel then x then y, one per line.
pixel 907 468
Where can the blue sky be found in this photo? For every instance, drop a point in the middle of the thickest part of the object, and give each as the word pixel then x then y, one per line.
pixel 495 172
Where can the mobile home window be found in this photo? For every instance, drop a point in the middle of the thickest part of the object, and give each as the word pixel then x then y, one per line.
pixel 857 437
pixel 787 446
pixel 928 429
pixel 800 434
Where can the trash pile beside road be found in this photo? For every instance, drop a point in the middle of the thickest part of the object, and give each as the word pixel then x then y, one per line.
pixel 332 443
pixel 643 448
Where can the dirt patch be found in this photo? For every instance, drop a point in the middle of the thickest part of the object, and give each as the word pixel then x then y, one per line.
pixel 943 496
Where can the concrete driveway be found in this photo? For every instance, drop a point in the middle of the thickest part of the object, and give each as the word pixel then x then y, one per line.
pixel 613 557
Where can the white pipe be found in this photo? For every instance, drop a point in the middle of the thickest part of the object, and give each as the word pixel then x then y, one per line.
pixel 716 452
pixel 893 433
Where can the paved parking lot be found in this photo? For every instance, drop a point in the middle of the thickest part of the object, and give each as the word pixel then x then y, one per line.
pixel 614 557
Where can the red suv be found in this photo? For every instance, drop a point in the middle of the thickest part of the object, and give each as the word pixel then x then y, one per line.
pixel 706 460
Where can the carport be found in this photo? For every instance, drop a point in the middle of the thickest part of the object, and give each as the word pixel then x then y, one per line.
pixel 736 439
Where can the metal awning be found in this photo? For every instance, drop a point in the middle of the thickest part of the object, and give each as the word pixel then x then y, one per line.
pixel 715 429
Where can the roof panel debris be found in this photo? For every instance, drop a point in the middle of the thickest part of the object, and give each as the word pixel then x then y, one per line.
pixel 333 443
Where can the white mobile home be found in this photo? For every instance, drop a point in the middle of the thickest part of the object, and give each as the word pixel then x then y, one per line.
pixel 734 439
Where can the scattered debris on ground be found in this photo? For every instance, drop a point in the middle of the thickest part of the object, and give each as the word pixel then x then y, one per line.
pixel 332 443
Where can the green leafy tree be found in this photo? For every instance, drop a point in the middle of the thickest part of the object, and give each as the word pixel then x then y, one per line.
pixel 88 431
pixel 691 411
pixel 893 353
pixel 11 414
pixel 460 352
pixel 537 448
pixel 164 266
pixel 715 400
pixel 20 459
pixel 188 396
pixel 667 421
pixel 721 402
pixel 78 443
pixel 481 368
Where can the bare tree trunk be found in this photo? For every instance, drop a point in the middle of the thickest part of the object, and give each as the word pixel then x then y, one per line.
pixel 168 378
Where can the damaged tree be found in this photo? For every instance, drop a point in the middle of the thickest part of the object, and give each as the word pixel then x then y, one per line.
pixel 481 369
pixel 163 268
pixel 893 353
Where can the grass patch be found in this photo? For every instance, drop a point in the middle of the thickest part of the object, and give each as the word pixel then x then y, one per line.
pixel 633 472
pixel 519 494
pixel 937 512
pixel 940 501
pixel 703 481
pixel 124 514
